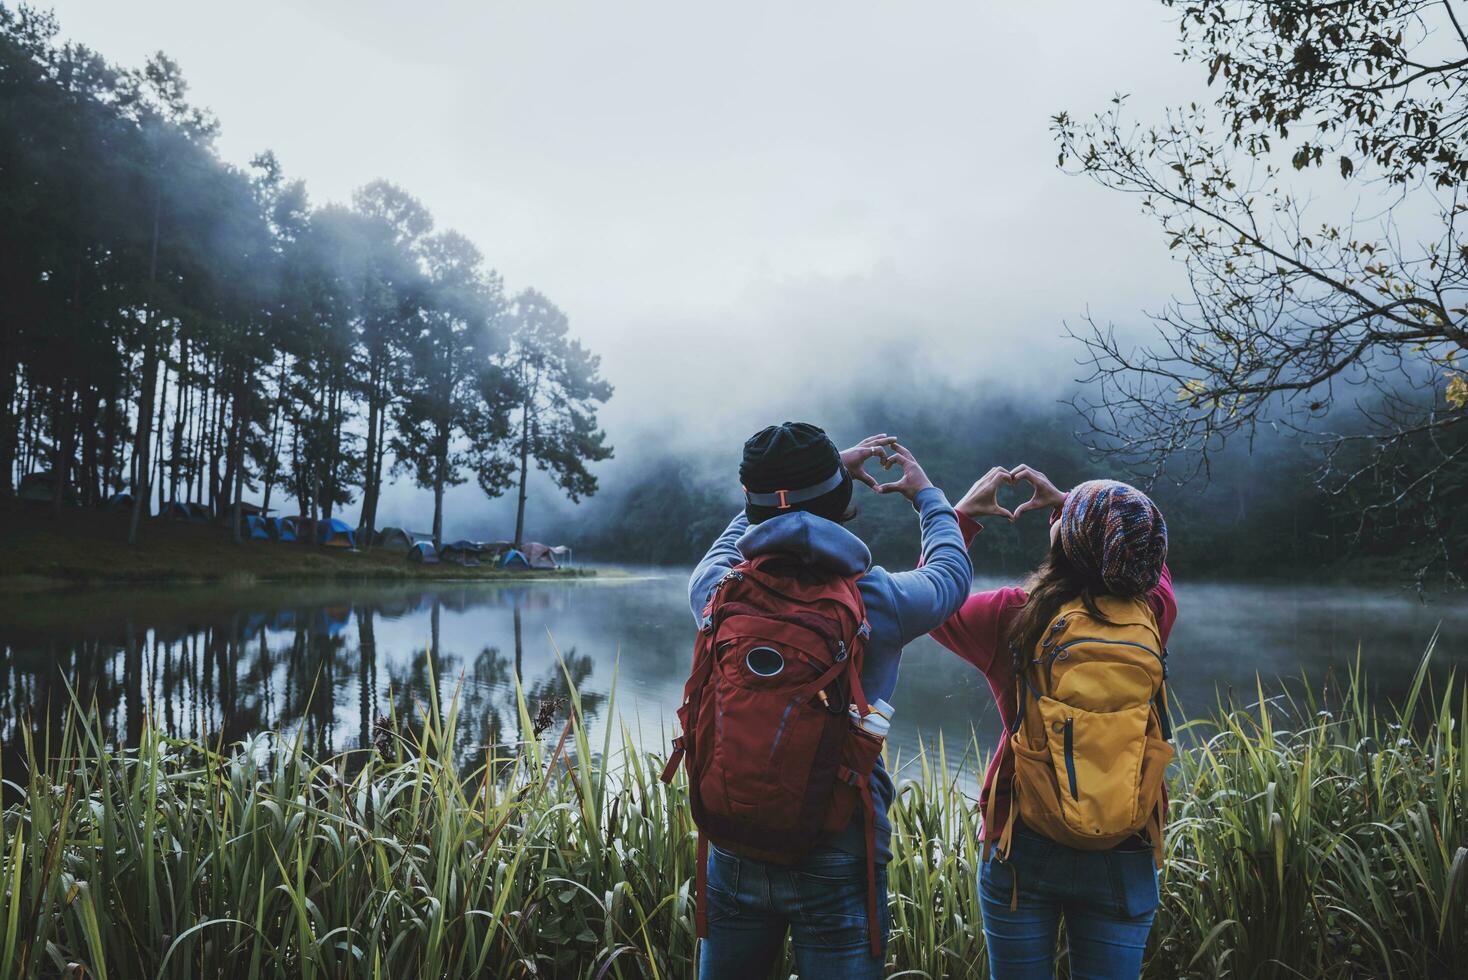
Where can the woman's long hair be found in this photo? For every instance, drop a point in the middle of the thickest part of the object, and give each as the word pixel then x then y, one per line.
pixel 1056 582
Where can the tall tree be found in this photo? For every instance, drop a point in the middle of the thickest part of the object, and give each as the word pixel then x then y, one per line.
pixel 458 334
pixel 392 287
pixel 1352 331
pixel 551 386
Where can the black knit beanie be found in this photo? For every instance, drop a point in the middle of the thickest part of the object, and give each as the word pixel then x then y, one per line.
pixel 793 466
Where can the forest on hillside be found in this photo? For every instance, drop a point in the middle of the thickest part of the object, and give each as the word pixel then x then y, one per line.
pixel 1261 513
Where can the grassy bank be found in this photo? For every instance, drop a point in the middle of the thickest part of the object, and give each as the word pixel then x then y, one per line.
pixel 85 546
pixel 1308 839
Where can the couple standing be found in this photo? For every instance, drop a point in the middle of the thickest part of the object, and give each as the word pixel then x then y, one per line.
pixel 791 611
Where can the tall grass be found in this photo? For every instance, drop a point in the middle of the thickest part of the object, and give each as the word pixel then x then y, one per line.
pixel 1313 838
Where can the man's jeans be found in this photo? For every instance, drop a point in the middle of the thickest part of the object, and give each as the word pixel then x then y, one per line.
pixel 822 902
pixel 1108 899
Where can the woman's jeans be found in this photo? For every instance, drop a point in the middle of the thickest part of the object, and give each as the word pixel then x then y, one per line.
pixel 822 902
pixel 1108 899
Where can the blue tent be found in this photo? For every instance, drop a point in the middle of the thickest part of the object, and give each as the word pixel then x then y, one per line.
pixel 120 501
pixel 335 534
pixel 255 528
pixel 423 554
pixel 280 528
pixel 182 510
pixel 514 558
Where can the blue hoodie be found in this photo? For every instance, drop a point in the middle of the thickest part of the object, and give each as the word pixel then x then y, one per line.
pixel 900 606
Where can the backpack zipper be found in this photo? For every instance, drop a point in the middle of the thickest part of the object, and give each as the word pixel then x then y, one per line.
pixel 1070 759
pixel 1056 654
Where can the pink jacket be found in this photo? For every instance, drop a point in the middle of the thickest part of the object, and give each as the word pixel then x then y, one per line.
pixel 976 633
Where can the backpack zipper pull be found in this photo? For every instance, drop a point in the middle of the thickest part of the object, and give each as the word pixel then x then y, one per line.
pixel 840 651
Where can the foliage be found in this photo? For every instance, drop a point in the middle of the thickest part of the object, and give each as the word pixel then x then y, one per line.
pixel 1309 837
pixel 452 354
pixel 553 384
pixel 191 330
pixel 1350 329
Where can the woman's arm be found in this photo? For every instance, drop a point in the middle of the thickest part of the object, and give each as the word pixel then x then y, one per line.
pixel 1164 604
pixel 973 631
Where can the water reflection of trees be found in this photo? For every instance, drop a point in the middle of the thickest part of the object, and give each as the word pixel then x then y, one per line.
pixel 313 670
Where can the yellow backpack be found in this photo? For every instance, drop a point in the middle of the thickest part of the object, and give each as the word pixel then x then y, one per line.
pixel 1090 734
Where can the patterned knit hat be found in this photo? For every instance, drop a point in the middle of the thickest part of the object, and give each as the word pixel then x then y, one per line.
pixel 1114 534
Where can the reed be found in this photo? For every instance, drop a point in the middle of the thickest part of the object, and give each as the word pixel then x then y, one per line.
pixel 1311 837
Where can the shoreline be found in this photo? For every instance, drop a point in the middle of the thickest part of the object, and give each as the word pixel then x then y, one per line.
pixel 83 548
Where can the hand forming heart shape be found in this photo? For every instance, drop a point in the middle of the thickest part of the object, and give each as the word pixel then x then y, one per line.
pixel 983 496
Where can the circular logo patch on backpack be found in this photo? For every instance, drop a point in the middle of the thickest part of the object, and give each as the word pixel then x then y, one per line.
pixel 764 661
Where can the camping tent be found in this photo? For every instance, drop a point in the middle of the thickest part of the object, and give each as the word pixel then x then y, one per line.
pixel 120 502
pixel 182 510
pixel 538 555
pixel 514 558
pixel 280 528
pixel 335 534
pixel 394 539
pixel 255 527
pixel 247 509
pixel 562 554
pixel 40 487
pixel 423 554
pixel 464 553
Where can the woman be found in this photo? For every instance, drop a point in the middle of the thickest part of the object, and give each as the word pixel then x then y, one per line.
pixel 1108 544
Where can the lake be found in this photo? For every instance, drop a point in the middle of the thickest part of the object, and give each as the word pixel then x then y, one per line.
pixel 329 660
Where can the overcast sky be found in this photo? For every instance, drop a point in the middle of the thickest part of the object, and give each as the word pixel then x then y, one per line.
pixel 728 200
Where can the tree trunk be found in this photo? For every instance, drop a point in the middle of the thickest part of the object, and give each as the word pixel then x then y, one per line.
pixel 181 418
pixel 158 450
pixel 225 501
pixel 438 512
pixel 216 446
pixel 109 450
pixel 141 440
pixel 524 472
pixel 9 416
pixel 275 429
pixel 90 476
pixel 369 483
pixel 242 421
pixel 64 431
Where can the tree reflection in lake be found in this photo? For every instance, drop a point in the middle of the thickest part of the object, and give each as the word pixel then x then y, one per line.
pixel 329 661
pixel 308 663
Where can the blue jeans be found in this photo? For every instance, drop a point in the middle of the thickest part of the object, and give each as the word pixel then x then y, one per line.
pixel 1108 899
pixel 822 902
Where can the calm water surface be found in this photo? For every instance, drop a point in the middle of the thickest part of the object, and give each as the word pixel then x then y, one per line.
pixel 329 661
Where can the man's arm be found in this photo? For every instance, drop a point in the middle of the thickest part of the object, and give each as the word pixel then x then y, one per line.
pixel 722 555
pixel 926 596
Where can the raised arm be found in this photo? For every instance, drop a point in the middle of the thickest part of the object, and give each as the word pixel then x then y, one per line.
pixel 924 597
pixel 722 555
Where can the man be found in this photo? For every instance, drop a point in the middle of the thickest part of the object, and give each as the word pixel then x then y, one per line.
pixel 798 490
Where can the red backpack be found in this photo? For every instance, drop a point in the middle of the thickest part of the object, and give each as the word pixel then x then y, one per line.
pixel 774 760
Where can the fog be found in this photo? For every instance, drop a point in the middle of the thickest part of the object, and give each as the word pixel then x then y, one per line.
pixel 745 210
